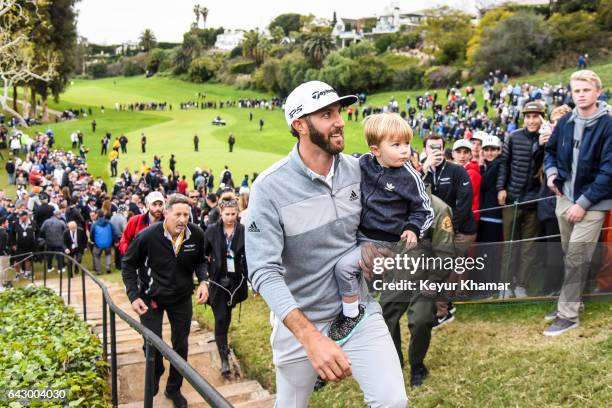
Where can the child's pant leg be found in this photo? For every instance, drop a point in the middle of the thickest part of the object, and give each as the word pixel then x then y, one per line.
pixel 347 272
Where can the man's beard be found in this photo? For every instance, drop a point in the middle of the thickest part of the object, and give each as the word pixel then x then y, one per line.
pixel 323 142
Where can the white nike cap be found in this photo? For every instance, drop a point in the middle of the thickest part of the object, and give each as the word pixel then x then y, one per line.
pixel 462 143
pixel 310 97
pixel 491 141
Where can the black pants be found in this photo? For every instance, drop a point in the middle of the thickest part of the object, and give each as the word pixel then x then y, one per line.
pixel 179 315
pixel 223 315
pixel 421 315
pixel 72 268
pixel 118 258
pixel 60 258
pixel 144 149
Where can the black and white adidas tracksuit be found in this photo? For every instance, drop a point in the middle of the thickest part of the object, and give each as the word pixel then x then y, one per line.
pixel 393 200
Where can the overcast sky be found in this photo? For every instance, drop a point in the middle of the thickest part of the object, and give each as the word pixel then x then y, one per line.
pixel 117 21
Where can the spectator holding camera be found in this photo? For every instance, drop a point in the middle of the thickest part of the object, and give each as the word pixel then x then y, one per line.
pixel 579 171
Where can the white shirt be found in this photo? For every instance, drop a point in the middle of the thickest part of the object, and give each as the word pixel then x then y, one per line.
pixel 326 179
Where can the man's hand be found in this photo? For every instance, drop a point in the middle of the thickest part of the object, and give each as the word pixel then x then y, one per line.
pixel 545 132
pixel 139 306
pixel 202 293
pixel 432 160
pixel 327 357
pixel 67 251
pixel 369 252
pixel 501 197
pixel 410 238
pixel 550 182
pixel 575 213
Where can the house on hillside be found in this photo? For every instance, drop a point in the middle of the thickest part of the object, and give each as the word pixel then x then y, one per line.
pixel 229 40
pixel 347 31
pixel 127 48
pixel 392 20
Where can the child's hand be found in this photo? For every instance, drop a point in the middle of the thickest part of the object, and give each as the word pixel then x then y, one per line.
pixel 410 238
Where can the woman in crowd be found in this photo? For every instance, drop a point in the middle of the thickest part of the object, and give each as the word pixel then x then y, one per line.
pixel 227 271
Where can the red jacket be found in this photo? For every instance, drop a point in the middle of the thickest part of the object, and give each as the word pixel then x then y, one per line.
pixel 473 170
pixel 135 224
pixel 182 187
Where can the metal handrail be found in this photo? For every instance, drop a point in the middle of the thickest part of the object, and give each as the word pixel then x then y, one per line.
pixel 152 341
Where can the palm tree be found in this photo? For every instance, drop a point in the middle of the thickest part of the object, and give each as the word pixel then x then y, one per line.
pixel 147 40
pixel 317 46
pixel 256 47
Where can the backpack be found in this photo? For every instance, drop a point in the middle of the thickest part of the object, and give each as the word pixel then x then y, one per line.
pixel 103 235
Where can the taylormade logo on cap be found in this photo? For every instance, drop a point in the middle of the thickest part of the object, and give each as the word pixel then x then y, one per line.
pixel 311 96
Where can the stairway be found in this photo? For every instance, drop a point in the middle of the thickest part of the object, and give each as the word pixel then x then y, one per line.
pixel 203 354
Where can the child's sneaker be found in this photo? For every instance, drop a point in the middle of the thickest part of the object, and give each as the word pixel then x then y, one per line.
pixel 342 327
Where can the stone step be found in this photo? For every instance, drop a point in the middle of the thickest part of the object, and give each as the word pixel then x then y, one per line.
pixel 265 402
pixel 139 357
pixel 131 377
pixel 235 393
pixel 199 337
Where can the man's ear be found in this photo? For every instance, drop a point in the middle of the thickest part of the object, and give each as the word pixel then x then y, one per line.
pixel 300 126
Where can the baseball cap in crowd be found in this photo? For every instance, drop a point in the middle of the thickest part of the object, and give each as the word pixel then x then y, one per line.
pixel 491 141
pixel 153 197
pixel 462 143
pixel 311 96
pixel 480 135
pixel 534 107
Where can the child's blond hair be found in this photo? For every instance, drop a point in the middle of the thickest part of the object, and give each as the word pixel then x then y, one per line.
pixel 386 126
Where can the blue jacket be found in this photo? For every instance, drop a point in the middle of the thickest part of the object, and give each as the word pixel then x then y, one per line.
pixel 594 173
pixel 102 233
pixel 393 200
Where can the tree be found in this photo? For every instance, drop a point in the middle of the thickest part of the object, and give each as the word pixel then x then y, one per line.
pixel 61 40
pixel 489 20
pixel 499 46
pixel 317 46
pixel 277 34
pixel 19 63
pixel 255 47
pixel 573 31
pixel 288 22
pixel 147 40
pixel 446 32
pixel 572 6
pixel 604 14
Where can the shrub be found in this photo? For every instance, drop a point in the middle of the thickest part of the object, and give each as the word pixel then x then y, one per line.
pixel 518 44
pixel 441 76
pixel 98 70
pixel 243 67
pixel 47 346
pixel 410 77
pixel 202 69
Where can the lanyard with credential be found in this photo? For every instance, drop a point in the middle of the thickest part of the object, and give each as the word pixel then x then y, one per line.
pixel 229 254
pixel 436 182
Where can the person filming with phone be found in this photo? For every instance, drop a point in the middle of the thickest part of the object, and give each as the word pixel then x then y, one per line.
pixel 451 183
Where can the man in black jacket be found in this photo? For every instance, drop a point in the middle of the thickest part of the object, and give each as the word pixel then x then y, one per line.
pixel 23 242
pixel 4 253
pixel 518 181
pixel 451 183
pixel 74 242
pixel 171 251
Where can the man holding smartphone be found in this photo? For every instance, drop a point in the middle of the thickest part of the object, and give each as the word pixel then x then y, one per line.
pixel 451 183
